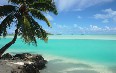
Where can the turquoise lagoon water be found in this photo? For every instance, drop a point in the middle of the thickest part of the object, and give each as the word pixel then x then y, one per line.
pixel 97 49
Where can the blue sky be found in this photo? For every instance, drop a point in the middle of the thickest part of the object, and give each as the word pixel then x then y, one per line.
pixel 81 17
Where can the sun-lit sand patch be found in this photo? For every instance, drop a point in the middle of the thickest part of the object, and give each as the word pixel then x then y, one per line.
pixel 20 63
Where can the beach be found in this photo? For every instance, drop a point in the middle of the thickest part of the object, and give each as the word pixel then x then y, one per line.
pixel 72 54
pixel 57 36
pixel 58 65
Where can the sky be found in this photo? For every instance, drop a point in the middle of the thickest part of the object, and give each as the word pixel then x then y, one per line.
pixel 80 17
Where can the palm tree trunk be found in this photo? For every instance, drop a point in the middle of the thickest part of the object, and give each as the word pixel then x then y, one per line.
pixel 4 48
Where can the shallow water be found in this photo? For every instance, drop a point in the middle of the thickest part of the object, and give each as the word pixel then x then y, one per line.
pixel 96 49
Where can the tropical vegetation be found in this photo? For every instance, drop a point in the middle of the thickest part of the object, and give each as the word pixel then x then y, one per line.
pixel 23 13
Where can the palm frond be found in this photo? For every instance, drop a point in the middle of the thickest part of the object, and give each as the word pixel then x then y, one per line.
pixel 27 32
pixel 6 23
pixel 36 13
pixel 45 5
pixel 23 12
pixel 22 1
pixel 30 29
pixel 38 30
pixel 7 9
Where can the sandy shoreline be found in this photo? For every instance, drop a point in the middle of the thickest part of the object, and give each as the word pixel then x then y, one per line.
pixel 6 66
pixel 58 65
pixel 22 63
pixel 93 37
pixel 63 65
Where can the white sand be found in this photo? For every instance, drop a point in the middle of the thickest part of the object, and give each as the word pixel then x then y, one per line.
pixel 6 66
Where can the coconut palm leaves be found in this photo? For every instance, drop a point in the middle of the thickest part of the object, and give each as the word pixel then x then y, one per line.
pixel 6 9
pixel 37 14
pixel 23 12
pixel 45 5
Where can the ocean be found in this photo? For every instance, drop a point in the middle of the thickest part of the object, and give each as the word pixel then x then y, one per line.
pixel 94 49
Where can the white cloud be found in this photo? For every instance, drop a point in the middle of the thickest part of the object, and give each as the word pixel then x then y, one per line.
pixel 62 26
pixel 81 28
pixel 59 29
pixel 95 28
pixel 105 21
pixel 100 16
pixel 102 29
pixel 64 5
pixel 108 14
pixel 76 29
pixel 49 17
pixel 107 28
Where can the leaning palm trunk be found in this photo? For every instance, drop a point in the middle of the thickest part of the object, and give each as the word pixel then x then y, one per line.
pixel 23 13
pixel 4 48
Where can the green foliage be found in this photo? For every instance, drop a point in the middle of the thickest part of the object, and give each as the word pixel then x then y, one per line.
pixel 36 13
pixel 6 23
pixel 23 14
pixel 6 9
pixel 45 6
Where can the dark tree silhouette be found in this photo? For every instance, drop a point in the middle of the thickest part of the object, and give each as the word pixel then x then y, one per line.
pixel 23 12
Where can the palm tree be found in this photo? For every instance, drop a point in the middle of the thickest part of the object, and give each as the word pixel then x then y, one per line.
pixel 23 13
